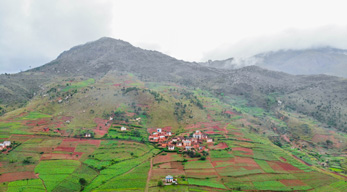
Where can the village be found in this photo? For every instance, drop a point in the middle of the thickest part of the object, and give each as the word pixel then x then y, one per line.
pixel 185 143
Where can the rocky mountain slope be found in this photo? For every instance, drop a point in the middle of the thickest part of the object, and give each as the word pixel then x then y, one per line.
pixel 323 97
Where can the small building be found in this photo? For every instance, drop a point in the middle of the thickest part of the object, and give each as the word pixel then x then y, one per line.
pixel 162 137
pixel 123 128
pixel 138 119
pixel 168 133
pixel 187 142
pixel 155 133
pixel 174 140
pixel 209 140
pixel 197 135
pixel 188 148
pixel 169 179
pixel 171 147
pixel 111 118
pixel 179 144
pixel 87 135
pixel 159 130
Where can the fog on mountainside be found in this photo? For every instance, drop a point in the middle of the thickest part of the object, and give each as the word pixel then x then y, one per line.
pixel 327 60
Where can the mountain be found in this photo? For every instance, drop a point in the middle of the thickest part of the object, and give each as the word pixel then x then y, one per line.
pixel 326 60
pixel 320 96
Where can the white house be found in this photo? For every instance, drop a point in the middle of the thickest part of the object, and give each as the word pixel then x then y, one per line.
pixel 111 118
pixel 123 128
pixel 169 133
pixel 169 179
pixel 179 144
pixel 159 130
pixel 171 147
pixel 87 135
pixel 209 140
pixel 7 143
pixel 197 135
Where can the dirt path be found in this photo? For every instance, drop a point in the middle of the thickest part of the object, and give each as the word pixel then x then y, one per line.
pixel 149 175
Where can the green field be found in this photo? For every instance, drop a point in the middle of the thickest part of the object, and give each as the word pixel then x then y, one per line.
pixel 32 185
pixel 35 115
pixel 55 171
pixel 79 85
pixel 206 182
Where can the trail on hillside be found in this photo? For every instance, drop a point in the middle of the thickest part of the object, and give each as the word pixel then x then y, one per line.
pixel 149 175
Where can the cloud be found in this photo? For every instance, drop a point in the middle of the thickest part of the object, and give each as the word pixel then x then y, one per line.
pixel 329 35
pixel 34 32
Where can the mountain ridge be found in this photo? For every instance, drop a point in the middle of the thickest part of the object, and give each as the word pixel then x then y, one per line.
pixel 96 59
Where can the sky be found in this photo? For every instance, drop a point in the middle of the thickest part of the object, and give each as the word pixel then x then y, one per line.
pixel 35 32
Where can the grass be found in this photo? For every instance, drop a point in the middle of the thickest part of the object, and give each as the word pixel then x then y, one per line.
pixel 79 84
pixel 118 169
pixel 136 179
pixel 220 154
pixel 264 165
pixel 197 165
pixel 55 171
pixel 34 185
pixel 35 115
pixel 206 182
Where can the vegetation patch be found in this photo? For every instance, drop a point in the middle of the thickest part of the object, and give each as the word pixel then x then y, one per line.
pixel 206 182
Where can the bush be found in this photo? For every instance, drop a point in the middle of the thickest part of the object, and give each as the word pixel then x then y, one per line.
pixel 203 158
pixel 160 183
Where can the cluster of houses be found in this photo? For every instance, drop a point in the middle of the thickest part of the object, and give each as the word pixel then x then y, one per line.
pixel 159 136
pixel 5 144
pixel 187 143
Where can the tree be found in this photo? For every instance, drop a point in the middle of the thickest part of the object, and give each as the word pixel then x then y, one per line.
pixel 83 182
pixel 160 183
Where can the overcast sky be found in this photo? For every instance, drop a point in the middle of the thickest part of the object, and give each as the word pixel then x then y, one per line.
pixel 34 32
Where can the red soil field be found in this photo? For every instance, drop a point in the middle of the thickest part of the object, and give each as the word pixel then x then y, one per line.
pixel 236 133
pixel 243 139
pixel 117 85
pixel 283 158
pixel 246 160
pixel 221 146
pixel 36 122
pixel 294 182
pixel 163 158
pixel 215 163
pixel 102 126
pixel 247 150
pixel 74 156
pixel 280 166
pixel 65 149
pixel 210 132
pixel 7 177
